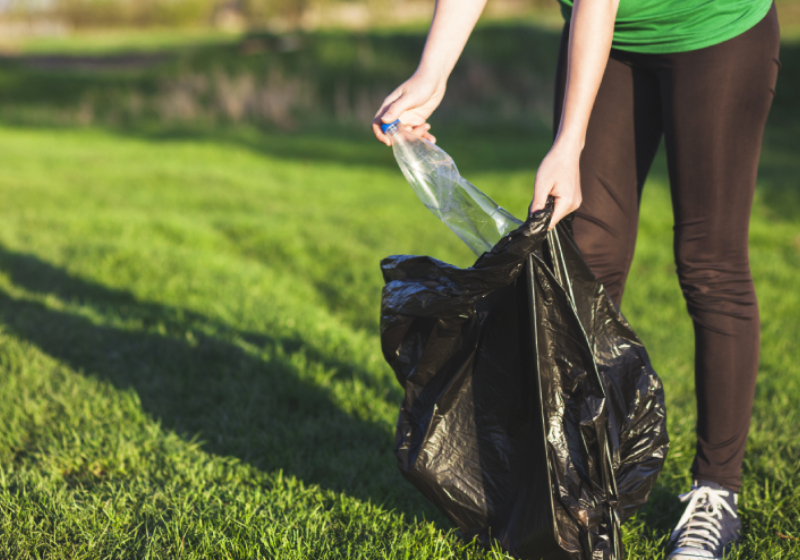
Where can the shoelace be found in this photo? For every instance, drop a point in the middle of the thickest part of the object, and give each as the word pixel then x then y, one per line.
pixel 700 525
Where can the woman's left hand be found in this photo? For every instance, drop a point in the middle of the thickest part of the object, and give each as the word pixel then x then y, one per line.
pixel 558 176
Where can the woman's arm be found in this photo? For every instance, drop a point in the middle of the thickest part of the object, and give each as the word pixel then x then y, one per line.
pixel 415 100
pixel 591 31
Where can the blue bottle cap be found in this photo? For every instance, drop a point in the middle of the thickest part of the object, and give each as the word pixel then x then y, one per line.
pixel 388 127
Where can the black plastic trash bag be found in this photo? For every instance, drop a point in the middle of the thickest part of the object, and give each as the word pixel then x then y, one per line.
pixel 532 415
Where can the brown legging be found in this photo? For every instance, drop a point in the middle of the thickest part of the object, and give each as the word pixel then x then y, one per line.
pixel 711 106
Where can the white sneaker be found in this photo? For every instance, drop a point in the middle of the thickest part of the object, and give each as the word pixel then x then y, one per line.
pixel 710 525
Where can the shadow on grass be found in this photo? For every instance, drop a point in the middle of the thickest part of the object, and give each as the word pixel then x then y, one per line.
pixel 254 401
pixel 255 406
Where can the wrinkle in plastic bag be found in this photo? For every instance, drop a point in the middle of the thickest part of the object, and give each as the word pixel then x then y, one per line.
pixel 532 415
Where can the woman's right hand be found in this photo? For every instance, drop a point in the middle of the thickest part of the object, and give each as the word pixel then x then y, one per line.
pixel 412 103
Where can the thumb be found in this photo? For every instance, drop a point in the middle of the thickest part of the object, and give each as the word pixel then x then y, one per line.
pixel 396 108
pixel 560 210
pixel 540 193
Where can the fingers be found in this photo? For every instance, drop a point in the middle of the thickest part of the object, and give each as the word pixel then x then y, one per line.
pixel 560 209
pixel 566 200
pixel 564 205
pixel 422 131
pixel 395 108
pixel 386 113
pixel 376 128
pixel 411 103
pixel 558 176
pixel 395 105
pixel 541 190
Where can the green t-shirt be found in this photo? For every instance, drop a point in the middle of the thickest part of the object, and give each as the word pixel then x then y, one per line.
pixel 668 26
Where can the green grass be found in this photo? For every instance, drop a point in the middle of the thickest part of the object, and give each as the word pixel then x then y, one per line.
pixel 190 364
pixel 125 40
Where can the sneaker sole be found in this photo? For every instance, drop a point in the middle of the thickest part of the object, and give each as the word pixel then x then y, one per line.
pixel 692 556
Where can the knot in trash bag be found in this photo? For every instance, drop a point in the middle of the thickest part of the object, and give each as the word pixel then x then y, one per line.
pixel 532 416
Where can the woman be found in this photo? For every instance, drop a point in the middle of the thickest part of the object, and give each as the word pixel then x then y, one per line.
pixel 701 74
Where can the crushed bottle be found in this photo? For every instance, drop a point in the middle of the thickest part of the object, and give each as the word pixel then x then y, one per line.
pixel 474 217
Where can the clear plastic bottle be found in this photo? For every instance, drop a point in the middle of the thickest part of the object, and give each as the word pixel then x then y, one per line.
pixel 473 216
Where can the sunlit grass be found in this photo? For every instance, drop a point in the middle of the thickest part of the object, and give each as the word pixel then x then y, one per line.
pixel 191 364
pixel 112 41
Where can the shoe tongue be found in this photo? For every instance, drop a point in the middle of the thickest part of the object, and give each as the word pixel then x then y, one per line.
pixel 730 498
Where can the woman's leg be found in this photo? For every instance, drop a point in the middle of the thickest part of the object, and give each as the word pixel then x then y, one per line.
pixel 716 102
pixel 621 141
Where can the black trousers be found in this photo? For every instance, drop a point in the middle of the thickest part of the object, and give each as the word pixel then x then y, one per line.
pixel 710 105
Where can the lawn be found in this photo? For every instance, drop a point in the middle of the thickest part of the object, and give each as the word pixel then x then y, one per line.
pixel 189 343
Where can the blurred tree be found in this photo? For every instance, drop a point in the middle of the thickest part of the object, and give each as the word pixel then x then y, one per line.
pixel 261 11
pixel 258 13
pixel 102 13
